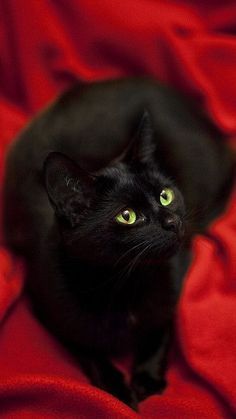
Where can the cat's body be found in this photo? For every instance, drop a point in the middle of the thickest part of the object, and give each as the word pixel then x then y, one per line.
pixel 89 280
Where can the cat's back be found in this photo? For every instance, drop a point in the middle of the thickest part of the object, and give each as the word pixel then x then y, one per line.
pixel 92 123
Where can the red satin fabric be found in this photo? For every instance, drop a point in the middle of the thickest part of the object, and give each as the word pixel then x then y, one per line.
pixel 47 45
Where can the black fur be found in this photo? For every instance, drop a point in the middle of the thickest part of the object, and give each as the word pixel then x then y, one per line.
pixel 102 288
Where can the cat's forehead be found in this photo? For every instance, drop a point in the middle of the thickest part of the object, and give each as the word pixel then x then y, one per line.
pixel 138 183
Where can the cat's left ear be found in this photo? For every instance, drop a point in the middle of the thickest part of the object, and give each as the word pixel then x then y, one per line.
pixel 142 147
pixel 69 188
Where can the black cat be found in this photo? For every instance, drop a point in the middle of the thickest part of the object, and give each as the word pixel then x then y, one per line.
pixel 93 201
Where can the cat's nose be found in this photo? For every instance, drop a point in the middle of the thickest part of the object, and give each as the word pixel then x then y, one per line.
pixel 173 223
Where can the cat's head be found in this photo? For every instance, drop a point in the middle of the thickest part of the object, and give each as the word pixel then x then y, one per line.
pixel 128 211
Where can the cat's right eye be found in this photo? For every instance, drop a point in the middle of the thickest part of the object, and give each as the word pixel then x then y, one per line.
pixel 126 217
pixel 166 197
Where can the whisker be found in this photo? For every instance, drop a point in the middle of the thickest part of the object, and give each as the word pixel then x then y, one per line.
pixel 128 251
pixel 136 259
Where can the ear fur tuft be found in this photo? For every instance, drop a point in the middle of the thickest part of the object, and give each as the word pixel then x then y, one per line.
pixel 67 185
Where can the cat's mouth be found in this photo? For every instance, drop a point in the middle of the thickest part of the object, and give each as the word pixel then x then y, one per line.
pixel 161 251
pixel 165 250
pixel 160 256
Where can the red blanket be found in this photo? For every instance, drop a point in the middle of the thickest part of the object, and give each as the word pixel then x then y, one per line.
pixel 45 46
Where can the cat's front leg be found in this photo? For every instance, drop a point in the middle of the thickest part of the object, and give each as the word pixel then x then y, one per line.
pixel 106 377
pixel 148 376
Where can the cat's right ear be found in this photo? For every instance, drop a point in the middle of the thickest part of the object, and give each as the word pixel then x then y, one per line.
pixel 67 185
pixel 142 147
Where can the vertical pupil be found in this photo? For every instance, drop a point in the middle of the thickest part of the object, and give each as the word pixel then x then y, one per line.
pixel 126 215
pixel 164 195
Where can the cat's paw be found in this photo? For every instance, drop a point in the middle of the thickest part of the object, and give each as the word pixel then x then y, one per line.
pixel 127 395
pixel 132 401
pixel 144 385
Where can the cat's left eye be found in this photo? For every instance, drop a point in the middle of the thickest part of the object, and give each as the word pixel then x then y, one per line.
pixel 126 217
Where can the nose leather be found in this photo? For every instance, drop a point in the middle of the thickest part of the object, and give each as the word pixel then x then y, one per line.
pixel 172 223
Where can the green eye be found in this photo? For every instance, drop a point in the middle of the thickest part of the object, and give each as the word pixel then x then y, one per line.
pixel 126 217
pixel 166 196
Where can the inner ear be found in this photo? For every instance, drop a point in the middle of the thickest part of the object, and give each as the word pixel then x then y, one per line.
pixel 142 146
pixel 66 184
